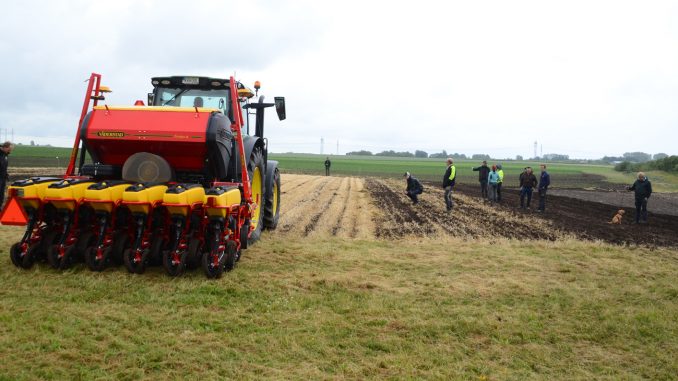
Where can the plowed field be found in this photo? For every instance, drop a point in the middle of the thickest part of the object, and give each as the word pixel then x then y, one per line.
pixel 363 208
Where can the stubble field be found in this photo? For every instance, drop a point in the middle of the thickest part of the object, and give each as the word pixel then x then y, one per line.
pixel 358 283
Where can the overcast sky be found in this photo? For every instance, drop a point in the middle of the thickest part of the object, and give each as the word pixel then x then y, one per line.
pixel 584 78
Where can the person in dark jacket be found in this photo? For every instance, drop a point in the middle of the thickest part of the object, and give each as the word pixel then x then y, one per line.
pixel 414 187
pixel 544 182
pixel 483 172
pixel 643 191
pixel 449 179
pixel 5 149
pixel 527 182
pixel 328 164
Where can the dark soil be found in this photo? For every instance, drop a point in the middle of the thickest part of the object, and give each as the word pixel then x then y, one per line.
pixel 589 219
pixel 661 203
pixel 468 219
pixel 473 217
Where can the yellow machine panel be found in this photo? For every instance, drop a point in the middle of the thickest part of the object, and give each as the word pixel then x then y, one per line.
pixel 140 197
pixel 180 197
pixel 31 192
pixel 104 195
pixel 65 194
pixel 220 199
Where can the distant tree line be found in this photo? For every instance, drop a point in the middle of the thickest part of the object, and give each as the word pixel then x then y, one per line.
pixel 420 154
pixel 666 163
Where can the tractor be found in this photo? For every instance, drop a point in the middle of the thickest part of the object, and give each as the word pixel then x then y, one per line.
pixel 181 181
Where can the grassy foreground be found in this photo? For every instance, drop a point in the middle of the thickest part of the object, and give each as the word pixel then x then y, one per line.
pixel 318 309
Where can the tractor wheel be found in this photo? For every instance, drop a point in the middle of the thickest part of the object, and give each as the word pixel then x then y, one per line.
pixel 97 263
pixel 121 242
pixel 174 262
pixel 16 255
pixel 134 261
pixel 272 205
pixel 231 255
pixel 60 262
pixel 255 168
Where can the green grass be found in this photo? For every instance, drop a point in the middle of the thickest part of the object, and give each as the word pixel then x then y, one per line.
pixel 332 309
pixel 39 156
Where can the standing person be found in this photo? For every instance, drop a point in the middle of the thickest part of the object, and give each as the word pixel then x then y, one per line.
pixel 328 164
pixel 527 182
pixel 5 149
pixel 449 180
pixel 500 172
pixel 492 181
pixel 544 182
pixel 643 191
pixel 414 187
pixel 483 172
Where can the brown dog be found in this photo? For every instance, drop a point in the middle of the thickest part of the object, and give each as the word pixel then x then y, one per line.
pixel 617 219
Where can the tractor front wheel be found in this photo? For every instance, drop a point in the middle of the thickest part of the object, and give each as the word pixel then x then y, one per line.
pixel 257 173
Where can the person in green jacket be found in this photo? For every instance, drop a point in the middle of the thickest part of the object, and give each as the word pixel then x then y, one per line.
pixel 500 172
pixel 449 179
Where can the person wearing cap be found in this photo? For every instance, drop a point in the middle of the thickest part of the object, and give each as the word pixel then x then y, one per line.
pixel 5 149
pixel 414 187
pixel 449 179
pixel 492 180
pixel 483 172
pixel 544 182
pixel 643 191
pixel 500 172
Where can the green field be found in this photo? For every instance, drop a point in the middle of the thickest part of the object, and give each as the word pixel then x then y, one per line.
pixel 335 309
pixel 564 175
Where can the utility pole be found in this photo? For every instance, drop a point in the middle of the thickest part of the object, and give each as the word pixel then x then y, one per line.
pixel 337 147
pixel 535 149
pixel 322 144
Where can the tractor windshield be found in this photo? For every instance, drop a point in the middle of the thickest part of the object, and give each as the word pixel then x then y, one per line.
pixel 187 97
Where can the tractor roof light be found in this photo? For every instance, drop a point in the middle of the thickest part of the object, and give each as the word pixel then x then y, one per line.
pixel 105 89
pixel 257 86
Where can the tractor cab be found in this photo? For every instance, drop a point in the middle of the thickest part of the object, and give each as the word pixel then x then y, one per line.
pixel 201 92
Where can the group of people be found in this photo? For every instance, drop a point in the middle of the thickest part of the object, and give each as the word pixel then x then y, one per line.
pixel 492 178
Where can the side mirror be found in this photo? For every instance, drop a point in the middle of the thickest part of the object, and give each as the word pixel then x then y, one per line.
pixel 151 96
pixel 280 107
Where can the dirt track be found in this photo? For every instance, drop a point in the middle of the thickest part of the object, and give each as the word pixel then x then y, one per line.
pixel 366 208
